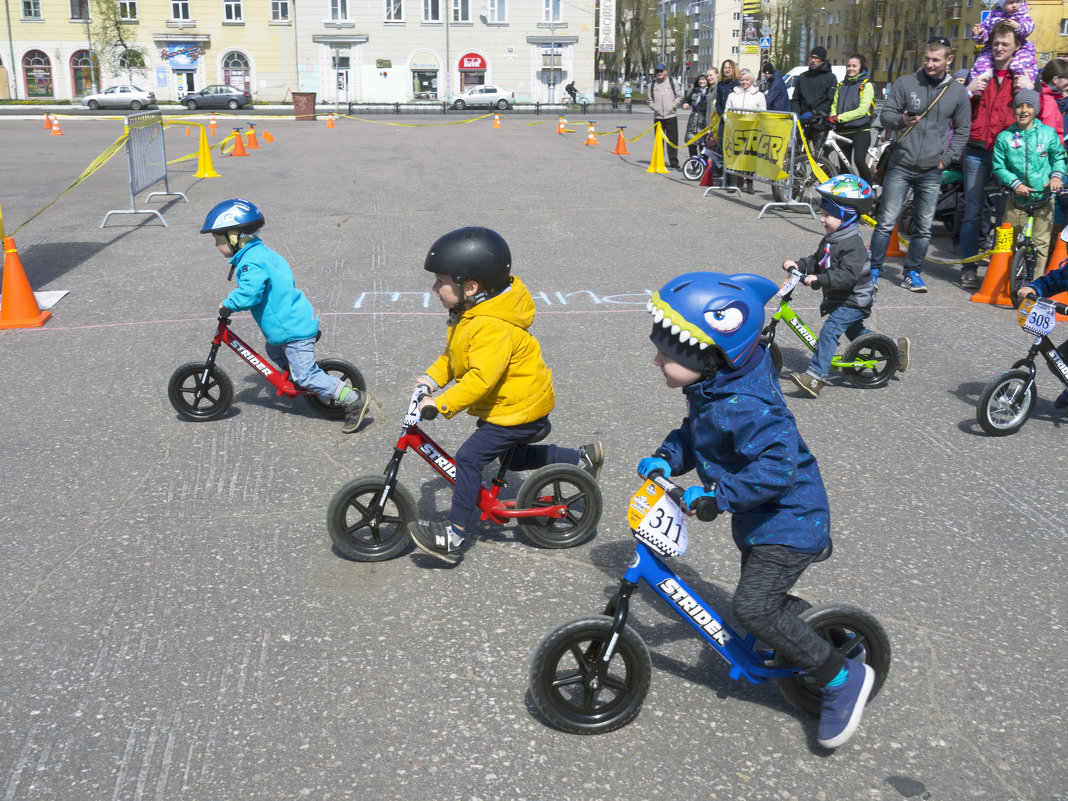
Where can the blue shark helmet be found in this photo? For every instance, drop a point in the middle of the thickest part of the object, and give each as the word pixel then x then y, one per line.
pixel 710 321
pixel 846 197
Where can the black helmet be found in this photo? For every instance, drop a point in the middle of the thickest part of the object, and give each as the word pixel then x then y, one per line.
pixel 472 253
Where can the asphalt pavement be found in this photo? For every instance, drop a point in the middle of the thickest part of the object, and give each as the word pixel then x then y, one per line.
pixel 174 623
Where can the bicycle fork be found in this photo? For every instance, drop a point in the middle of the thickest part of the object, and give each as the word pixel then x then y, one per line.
pixel 617 609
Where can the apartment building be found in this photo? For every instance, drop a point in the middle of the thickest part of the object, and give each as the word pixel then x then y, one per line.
pixel 343 50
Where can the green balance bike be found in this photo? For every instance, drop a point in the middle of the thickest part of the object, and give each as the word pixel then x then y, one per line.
pixel 868 362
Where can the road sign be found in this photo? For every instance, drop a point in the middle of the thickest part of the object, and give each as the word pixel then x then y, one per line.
pixel 765 41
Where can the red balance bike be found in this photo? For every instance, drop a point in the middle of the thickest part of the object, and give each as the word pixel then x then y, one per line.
pixel 557 506
pixel 201 391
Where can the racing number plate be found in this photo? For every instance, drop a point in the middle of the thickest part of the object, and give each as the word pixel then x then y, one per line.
pixel 657 521
pixel 1037 317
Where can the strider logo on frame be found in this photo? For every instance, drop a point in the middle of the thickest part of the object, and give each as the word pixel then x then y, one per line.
pixel 442 463
pixel 684 601
pixel 250 357
pixel 805 333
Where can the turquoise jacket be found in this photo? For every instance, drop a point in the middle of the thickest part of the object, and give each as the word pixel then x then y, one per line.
pixel 265 287
pixel 1030 157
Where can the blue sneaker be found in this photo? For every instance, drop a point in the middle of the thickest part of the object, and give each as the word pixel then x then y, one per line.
pixel 875 278
pixel 1062 400
pixel 913 282
pixel 843 706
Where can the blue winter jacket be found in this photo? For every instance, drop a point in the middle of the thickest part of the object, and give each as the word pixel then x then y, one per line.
pixel 1052 283
pixel 265 287
pixel 776 95
pixel 742 439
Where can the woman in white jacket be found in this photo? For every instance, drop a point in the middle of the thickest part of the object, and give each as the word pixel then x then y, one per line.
pixel 746 97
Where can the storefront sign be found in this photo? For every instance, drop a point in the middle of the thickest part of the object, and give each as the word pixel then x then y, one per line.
pixel 607 43
pixel 472 61
pixel 424 60
pixel 182 55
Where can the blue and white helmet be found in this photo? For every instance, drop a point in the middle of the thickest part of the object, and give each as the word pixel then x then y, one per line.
pixel 846 196
pixel 233 215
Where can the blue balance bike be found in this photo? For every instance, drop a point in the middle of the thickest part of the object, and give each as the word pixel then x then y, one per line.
pixel 591 675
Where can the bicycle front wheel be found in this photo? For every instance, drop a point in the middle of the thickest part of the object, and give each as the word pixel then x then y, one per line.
pixel 694 168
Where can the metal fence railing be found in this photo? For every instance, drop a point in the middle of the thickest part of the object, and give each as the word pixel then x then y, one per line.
pixel 146 157
pixel 553 109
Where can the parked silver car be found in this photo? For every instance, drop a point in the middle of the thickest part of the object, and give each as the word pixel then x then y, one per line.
pixel 484 95
pixel 120 97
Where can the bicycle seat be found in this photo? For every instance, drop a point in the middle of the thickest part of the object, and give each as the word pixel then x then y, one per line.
pixel 825 554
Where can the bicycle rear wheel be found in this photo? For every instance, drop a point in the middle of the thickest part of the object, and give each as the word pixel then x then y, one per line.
pixel 1022 271
pixel 694 168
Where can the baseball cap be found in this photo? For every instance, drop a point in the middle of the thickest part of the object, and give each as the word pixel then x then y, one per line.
pixel 661 67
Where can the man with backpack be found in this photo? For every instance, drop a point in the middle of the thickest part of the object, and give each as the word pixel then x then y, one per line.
pixel 664 98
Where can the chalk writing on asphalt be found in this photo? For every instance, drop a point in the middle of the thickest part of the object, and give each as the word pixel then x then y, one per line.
pixel 575 298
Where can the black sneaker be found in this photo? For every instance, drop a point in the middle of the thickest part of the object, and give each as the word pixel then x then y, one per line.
pixel 969 279
pixel 435 539
pixel 354 412
pixel 1062 400
pixel 591 458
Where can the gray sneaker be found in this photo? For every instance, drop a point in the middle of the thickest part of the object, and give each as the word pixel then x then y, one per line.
pixel 903 346
pixel 435 538
pixel 969 279
pixel 354 412
pixel 591 459
pixel 807 383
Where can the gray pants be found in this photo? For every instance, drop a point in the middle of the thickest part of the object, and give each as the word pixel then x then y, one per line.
pixel 764 607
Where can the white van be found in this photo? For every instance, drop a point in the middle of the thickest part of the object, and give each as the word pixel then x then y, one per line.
pixel 790 78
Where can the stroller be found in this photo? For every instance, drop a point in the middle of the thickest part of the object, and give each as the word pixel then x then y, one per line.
pixel 708 159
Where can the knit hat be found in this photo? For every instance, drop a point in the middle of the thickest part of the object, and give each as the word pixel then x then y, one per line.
pixel 768 68
pixel 819 52
pixel 961 74
pixel 1029 96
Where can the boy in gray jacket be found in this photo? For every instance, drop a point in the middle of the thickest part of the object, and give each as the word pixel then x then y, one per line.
pixel 920 153
pixel 664 98
pixel 840 268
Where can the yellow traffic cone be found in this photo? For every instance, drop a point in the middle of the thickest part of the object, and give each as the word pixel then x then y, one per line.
pixel 656 163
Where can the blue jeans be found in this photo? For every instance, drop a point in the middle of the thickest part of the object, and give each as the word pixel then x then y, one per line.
pixel 925 185
pixel 298 357
pixel 977 166
pixel 491 441
pixel 842 320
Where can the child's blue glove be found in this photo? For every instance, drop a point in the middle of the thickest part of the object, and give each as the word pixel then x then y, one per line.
pixel 691 499
pixel 808 115
pixel 651 464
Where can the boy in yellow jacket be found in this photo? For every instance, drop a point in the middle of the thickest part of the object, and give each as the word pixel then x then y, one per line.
pixel 497 374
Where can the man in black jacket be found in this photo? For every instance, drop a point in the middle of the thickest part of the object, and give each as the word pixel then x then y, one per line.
pixel 814 90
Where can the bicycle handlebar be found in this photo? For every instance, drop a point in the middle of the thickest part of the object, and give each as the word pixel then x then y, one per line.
pixel 705 507
pixel 224 314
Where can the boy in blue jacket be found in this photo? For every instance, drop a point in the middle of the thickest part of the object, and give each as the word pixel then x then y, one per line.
pixel 1052 283
pixel 265 286
pixel 742 439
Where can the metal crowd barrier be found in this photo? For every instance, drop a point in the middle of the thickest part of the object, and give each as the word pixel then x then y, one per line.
pixel 147 160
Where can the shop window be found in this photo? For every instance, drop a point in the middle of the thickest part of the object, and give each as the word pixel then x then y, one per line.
pixel 31 9
pixel 232 11
pixel 431 10
pixel 37 70
pixel 279 10
pixel 81 73
pixel 236 71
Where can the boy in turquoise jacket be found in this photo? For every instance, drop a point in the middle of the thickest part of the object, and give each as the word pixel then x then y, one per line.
pixel 1028 159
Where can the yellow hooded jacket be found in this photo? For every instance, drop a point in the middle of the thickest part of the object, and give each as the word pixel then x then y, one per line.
pixel 496 363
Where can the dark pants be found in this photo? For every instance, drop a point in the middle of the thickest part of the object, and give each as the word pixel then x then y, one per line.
pixel 670 128
pixel 857 151
pixel 764 607
pixel 489 442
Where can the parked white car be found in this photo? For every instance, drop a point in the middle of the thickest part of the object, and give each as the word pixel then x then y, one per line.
pixel 120 97
pixel 484 95
pixel 790 78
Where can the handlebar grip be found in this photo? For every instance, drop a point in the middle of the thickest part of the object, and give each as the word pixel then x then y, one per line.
pixel 429 413
pixel 706 509
pixel 1061 308
pixel 225 312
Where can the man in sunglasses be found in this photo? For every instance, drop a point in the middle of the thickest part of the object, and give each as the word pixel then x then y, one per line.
pixel 921 110
pixel 992 95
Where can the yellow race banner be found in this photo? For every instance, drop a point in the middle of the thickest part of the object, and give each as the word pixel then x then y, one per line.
pixel 758 142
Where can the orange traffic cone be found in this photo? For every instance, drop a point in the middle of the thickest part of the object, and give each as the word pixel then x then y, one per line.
pixel 212 125
pixel 253 143
pixel 330 122
pixel 591 136
pixel 48 123
pixel 995 288
pixel 189 130
pixel 56 130
pixel 496 120
pixel 893 250
pixel 239 145
pixel 18 306
pixel 1056 259
pixel 562 126
pixel 621 144
pixel 267 137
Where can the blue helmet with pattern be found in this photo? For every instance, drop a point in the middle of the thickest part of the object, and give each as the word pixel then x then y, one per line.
pixel 846 197
pixel 708 321
pixel 233 214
